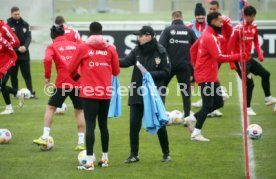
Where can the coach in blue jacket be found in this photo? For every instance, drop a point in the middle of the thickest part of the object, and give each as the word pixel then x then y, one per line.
pixel 154 58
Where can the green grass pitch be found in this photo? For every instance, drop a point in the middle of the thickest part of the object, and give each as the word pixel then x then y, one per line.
pixel 222 157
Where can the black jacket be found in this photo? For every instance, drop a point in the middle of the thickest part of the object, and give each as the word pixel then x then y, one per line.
pixel 22 30
pixel 177 39
pixel 157 63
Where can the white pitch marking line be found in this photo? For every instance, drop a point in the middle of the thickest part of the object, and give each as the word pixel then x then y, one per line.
pixel 250 144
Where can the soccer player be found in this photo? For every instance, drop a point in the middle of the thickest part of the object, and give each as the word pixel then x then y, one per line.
pixel 7 34
pixel 243 36
pixel 8 59
pixel 205 56
pixel 227 29
pixel 61 52
pixel 199 25
pixel 154 58
pixel 70 33
pixel 98 62
pixel 177 39
pixel 226 33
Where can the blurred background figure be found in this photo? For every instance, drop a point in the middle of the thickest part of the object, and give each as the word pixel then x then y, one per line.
pixel 22 30
pixel 199 24
pixel 69 33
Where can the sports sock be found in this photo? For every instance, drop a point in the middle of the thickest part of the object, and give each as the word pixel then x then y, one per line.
pixel 9 107
pixel 90 159
pixel 81 138
pixel 18 94
pixel 104 156
pixel 196 132
pixel 192 117
pixel 46 132
pixel 268 98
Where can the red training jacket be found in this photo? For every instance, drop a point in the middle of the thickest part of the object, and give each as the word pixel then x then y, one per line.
pixel 72 35
pixel 8 34
pixel 249 34
pixel 243 36
pixel 98 61
pixel 206 54
pixel 8 56
pixel 61 52
pixel 227 28
pixel 199 27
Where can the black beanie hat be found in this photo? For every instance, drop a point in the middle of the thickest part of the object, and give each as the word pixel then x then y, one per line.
pixel 199 10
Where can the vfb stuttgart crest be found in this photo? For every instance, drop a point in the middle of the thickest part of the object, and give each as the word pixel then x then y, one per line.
pixel 157 61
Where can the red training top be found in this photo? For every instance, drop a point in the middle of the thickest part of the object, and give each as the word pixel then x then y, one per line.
pixel 61 52
pixel 98 61
pixel 8 34
pixel 8 56
pixel 206 54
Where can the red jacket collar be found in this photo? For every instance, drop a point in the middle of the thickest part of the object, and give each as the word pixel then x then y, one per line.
pixel 59 38
pixel 211 30
pixel 200 27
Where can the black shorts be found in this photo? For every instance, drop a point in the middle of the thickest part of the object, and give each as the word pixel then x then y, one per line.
pixel 57 98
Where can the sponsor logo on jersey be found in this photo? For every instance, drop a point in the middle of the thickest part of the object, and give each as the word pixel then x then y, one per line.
pixel 67 31
pixel 90 52
pixel 61 49
pixel 173 32
pixel 68 57
pixel 176 41
pixel 97 64
pixel 181 32
pixel 177 32
pixel 101 52
pixel 71 47
pixel 248 38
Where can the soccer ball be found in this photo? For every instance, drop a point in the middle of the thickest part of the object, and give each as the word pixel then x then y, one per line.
pixel 170 120
pixel 82 157
pixel 26 93
pixel 5 136
pixel 48 146
pixel 62 110
pixel 254 131
pixel 176 117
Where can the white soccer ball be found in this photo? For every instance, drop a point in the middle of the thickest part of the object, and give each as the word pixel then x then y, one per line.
pixel 5 136
pixel 48 146
pixel 62 110
pixel 177 117
pixel 254 131
pixel 82 157
pixel 26 93
pixel 170 120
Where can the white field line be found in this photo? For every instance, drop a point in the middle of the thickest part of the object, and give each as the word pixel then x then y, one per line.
pixel 14 104
pixel 249 142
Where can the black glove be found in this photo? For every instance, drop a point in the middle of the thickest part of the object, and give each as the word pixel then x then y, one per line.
pixel 77 77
